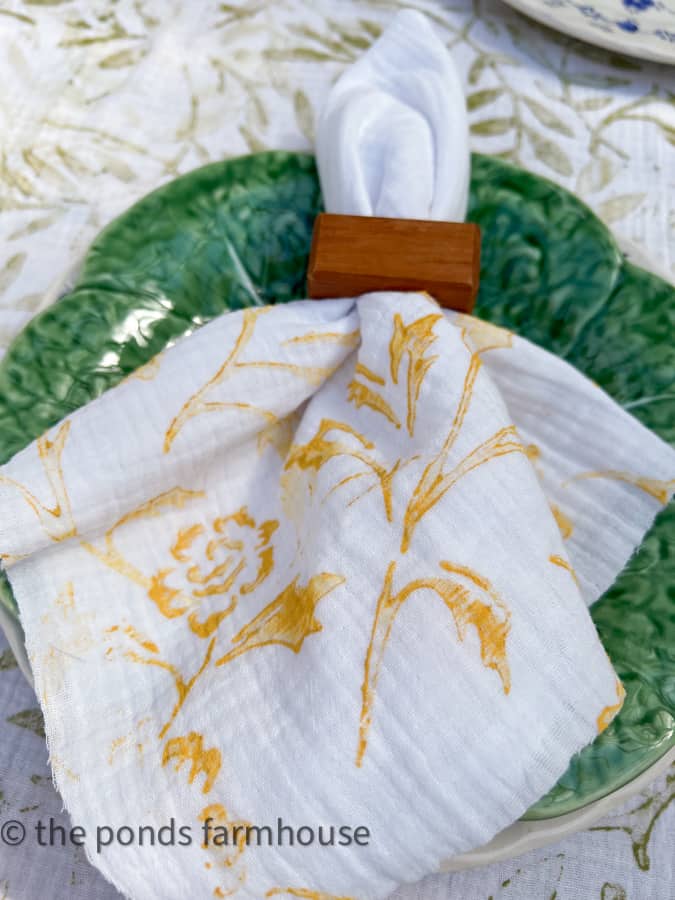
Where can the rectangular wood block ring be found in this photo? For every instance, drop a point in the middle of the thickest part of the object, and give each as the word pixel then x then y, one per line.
pixel 354 255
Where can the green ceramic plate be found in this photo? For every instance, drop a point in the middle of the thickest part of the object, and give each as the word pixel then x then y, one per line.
pixel 238 233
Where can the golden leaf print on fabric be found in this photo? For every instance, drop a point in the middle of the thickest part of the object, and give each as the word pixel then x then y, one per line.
pixel 362 395
pixel 151 657
pixel 436 480
pixel 287 620
pixel 471 600
pixel 57 519
pixel 368 374
pixel 482 336
pixel 279 435
pixel 563 521
pixel 659 490
pixel 198 404
pixel 351 339
pixel 610 711
pixel 321 449
pixel 202 761
pixel 412 341
pixel 563 564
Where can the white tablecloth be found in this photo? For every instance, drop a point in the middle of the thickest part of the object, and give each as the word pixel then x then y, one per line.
pixel 103 101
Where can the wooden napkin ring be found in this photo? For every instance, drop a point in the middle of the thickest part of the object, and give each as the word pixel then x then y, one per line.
pixel 353 255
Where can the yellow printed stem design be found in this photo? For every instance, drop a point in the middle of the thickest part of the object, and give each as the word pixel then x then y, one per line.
pixel 369 375
pixel 659 490
pixel 609 712
pixel 321 449
pixel 304 894
pixel 362 395
pixel 412 340
pixel 564 564
pixel 148 371
pixel 57 520
pixel 198 403
pixel 279 435
pixel 563 521
pixel 287 620
pixel 436 482
pixel 202 761
pixel 182 684
pixel 351 339
pixel 475 603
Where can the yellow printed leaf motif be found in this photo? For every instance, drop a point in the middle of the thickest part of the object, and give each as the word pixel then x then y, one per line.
pixel 476 604
pixel 182 684
pixel 136 636
pixel 321 449
pixel 413 340
pixel 480 336
pixel 564 523
pixel 350 339
pixel 198 404
pixel 435 482
pixel 279 435
pixel 57 520
pixel 369 375
pixel 362 395
pixel 609 712
pixel 191 749
pixel 287 620
pixel 563 564
pixel 660 490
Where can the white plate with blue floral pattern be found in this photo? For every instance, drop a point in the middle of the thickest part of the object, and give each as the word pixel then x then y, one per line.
pixel 644 28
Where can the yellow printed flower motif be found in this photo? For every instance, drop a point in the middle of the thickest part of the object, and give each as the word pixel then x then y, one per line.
pixel 214 566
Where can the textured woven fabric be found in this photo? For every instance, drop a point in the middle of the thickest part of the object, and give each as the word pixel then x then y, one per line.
pixel 227 567
pixel 393 136
pixel 506 60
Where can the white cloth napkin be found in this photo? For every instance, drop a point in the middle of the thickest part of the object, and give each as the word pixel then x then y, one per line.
pixel 302 568
pixel 393 137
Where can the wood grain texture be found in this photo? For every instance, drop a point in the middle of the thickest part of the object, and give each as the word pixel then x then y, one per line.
pixel 353 255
